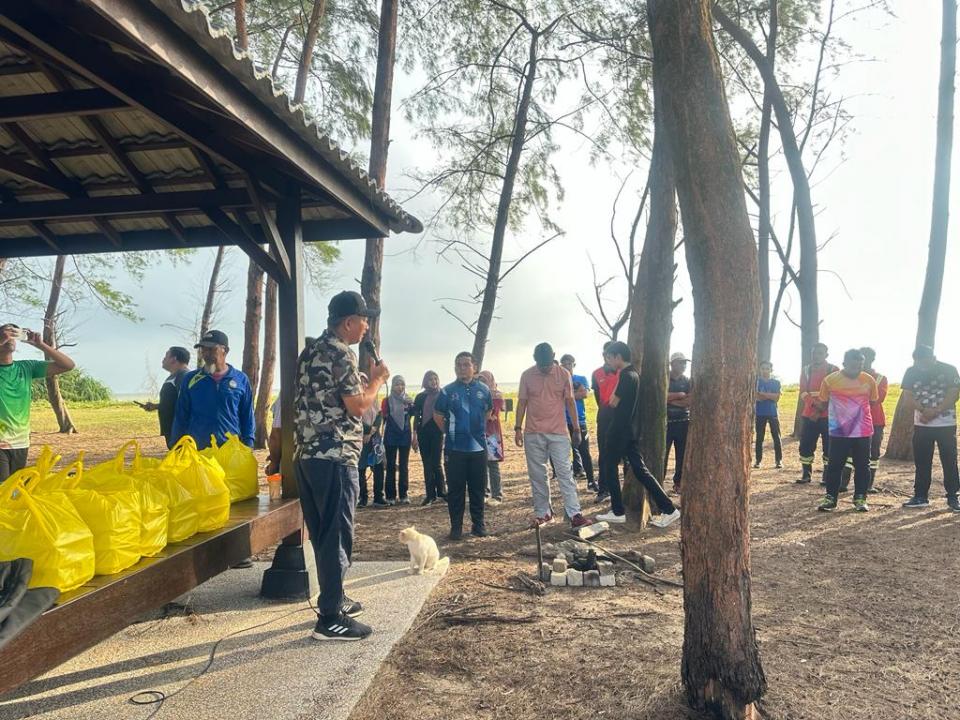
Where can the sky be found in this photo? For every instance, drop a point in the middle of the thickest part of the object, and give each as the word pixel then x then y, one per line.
pixel 873 196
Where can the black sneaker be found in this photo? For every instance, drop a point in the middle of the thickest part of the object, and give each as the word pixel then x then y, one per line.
pixel 478 532
pixel 779 465
pixel 351 608
pixel 953 502
pixel 403 501
pixel 828 504
pixel 601 497
pixel 380 504
pixel 804 479
pixel 917 502
pixel 428 501
pixel 362 502
pixel 455 535
pixel 341 628
pixel 756 466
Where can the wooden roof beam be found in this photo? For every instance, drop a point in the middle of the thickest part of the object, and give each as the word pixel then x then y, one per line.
pixel 238 237
pixel 116 205
pixel 40 176
pixel 17 108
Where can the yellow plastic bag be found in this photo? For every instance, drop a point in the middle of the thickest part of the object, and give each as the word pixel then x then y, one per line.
pixel 203 478
pixel 240 467
pixel 110 506
pixel 46 528
pixel 154 502
pixel 184 517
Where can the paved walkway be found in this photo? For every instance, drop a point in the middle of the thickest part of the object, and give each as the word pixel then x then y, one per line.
pixel 270 669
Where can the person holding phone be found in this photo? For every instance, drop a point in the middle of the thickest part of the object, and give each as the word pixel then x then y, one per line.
pixel 177 363
pixel 16 379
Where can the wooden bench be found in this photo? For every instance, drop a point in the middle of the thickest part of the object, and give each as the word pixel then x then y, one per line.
pixel 86 616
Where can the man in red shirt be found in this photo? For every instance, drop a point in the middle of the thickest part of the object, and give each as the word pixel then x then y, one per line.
pixel 604 383
pixel 814 422
pixel 879 422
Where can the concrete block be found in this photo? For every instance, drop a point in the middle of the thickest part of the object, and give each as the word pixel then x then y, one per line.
pixel 574 578
pixel 560 565
pixel 591 531
pixel 605 567
pixel 608 581
pixel 545 571
pixel 558 579
pixel 591 578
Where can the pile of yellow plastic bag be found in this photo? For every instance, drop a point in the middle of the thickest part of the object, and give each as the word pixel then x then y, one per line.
pixel 80 521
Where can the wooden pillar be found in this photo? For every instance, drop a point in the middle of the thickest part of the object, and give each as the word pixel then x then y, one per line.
pixel 290 322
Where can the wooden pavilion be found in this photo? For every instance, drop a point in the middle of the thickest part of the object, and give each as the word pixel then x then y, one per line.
pixel 132 125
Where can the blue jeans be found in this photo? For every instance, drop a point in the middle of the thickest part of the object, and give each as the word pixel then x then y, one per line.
pixel 328 496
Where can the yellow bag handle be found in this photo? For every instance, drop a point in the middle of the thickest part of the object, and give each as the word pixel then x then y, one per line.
pixel 213 442
pixel 120 461
pixel 186 444
pixel 18 482
pixel 68 478
pixel 46 460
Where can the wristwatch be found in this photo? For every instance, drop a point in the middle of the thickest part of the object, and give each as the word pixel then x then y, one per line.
pixel 518 428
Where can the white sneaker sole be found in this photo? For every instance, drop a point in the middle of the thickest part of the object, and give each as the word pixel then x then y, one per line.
pixel 615 519
pixel 665 523
pixel 337 638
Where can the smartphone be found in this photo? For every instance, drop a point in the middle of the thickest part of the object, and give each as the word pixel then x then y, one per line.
pixel 139 404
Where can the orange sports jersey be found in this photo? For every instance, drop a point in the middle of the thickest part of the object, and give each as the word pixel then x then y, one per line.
pixel 849 404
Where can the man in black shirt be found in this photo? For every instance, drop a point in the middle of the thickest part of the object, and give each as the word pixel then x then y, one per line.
pixel 177 363
pixel 678 415
pixel 622 441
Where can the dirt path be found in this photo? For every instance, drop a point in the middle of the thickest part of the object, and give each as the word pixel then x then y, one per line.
pixel 857 615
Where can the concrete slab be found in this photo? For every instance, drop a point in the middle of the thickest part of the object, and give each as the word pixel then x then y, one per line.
pixel 265 664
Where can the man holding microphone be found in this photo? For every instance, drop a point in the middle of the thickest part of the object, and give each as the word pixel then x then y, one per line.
pixel 329 403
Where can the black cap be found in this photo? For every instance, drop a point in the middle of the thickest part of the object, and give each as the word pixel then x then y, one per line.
pixel 212 338
pixel 923 352
pixel 347 303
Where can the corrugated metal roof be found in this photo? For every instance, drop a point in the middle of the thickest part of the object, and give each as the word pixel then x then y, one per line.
pixel 193 18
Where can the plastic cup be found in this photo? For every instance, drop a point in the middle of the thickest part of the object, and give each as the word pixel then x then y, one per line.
pixel 275 485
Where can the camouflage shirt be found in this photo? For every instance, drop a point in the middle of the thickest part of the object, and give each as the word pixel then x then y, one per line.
pixel 326 371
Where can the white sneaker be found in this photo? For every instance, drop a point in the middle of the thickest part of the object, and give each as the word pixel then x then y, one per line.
pixel 492 502
pixel 662 521
pixel 610 517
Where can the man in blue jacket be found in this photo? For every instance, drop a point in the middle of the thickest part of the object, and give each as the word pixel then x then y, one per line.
pixel 216 399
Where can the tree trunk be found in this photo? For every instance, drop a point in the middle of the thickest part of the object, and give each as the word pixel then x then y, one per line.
pixel 806 225
pixel 251 324
pixel 269 364
pixel 240 20
pixel 651 316
pixel 64 421
pixel 899 445
pixel 306 54
pixel 765 338
pixel 209 304
pixel 492 286
pixel 372 275
pixel 721 668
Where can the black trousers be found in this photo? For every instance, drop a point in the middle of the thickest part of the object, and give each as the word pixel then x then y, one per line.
pixel 328 497
pixel 677 437
pixel 582 462
pixel 431 450
pixel 628 449
pixel 466 474
pixel 945 438
pixel 607 470
pixel 810 432
pixel 393 452
pixel 761 426
pixel 840 449
pixel 12 460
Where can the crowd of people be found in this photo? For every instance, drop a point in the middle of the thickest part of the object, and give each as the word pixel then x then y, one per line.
pixel 343 430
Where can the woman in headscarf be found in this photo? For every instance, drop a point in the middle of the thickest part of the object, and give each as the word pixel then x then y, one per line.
pixel 494 440
pixel 428 437
pixel 397 409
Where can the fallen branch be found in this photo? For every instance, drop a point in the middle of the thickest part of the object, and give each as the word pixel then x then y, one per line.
pixel 472 619
pixel 636 567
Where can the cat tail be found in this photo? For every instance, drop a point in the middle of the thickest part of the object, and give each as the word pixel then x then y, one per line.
pixel 442 565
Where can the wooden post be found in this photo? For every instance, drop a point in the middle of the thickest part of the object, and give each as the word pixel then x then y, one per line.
pixel 290 305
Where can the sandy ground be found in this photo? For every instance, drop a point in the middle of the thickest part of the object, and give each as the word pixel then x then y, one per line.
pixel 856 615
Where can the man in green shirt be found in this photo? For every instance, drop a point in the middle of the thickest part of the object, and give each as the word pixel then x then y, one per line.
pixel 16 377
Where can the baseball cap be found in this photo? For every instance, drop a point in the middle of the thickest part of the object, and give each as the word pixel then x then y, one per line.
pixel 347 303
pixel 678 356
pixel 212 338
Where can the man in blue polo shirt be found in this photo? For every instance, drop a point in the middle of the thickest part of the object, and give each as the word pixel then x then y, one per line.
pixel 216 399
pixel 461 411
pixel 582 461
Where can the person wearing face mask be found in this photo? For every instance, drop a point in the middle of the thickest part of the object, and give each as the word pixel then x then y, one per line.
pixel 216 399
pixel 428 438
pixel 16 380
pixel 396 411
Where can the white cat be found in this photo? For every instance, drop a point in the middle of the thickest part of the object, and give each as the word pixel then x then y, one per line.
pixel 424 554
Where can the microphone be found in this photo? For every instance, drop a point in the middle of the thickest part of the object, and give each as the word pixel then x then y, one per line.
pixel 371 350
